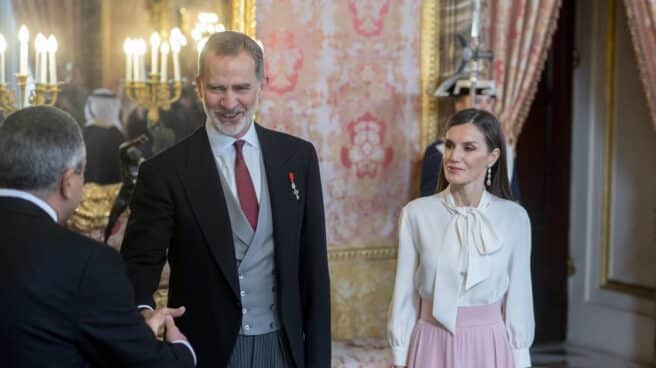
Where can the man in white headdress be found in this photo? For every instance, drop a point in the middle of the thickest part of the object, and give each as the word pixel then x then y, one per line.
pixel 103 134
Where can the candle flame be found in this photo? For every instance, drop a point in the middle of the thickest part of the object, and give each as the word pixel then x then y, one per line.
pixel 40 42
pixel 52 43
pixel 23 34
pixel 155 39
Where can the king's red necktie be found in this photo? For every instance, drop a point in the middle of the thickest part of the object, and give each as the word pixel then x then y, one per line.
pixel 245 188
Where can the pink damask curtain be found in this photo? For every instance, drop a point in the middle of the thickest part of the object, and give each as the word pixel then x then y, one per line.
pixel 519 33
pixel 642 22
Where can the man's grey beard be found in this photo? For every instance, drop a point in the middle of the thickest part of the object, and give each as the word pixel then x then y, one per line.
pixel 235 129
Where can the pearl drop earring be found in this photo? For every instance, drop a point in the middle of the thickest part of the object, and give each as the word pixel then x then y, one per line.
pixel 488 182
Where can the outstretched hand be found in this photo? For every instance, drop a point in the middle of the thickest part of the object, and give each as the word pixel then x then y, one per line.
pixel 172 331
pixel 156 319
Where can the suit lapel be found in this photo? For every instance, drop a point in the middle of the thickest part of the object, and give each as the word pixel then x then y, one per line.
pixel 201 180
pixel 284 216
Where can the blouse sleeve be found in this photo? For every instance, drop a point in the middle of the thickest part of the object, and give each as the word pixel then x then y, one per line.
pixel 405 301
pixel 519 319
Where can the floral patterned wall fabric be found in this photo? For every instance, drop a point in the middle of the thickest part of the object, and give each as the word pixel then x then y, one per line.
pixel 345 74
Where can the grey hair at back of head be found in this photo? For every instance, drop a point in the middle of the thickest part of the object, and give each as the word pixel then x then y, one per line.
pixel 37 144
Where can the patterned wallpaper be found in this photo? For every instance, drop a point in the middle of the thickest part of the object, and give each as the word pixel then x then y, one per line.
pixel 345 74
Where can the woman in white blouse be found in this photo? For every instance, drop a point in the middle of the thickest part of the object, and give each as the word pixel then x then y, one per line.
pixel 462 297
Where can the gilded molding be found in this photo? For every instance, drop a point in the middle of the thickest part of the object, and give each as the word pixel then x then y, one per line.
pixel 640 291
pixel 243 17
pixel 362 253
pixel 430 66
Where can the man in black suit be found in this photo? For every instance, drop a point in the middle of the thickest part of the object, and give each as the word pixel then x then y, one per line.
pixel 65 300
pixel 238 211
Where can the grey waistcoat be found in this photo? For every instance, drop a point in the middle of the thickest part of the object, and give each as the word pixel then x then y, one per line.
pixel 254 252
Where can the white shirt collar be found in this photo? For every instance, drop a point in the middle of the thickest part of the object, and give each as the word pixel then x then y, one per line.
pixel 221 142
pixel 14 193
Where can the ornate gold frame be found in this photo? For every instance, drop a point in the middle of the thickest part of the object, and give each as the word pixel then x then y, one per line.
pixel 376 253
pixel 243 17
pixel 606 282
pixel 430 67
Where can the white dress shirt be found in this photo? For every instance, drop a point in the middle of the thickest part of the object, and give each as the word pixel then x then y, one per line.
pixel 225 153
pixel 463 256
pixel 14 193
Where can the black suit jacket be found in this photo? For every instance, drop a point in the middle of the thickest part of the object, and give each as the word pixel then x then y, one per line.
pixel 178 210
pixel 65 300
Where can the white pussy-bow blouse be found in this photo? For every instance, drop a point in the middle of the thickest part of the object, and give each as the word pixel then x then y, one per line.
pixel 463 256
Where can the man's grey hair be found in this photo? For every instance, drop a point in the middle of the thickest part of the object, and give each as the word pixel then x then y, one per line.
pixel 229 43
pixel 37 144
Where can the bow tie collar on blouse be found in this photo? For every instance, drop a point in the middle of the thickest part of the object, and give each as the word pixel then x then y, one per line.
pixel 471 235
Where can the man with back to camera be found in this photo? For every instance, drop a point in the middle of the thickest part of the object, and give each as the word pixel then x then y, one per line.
pixel 238 211
pixel 65 299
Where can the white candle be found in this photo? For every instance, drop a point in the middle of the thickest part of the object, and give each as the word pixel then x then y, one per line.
pixel 142 67
pixel 165 58
pixel 3 48
pixel 177 37
pixel 37 59
pixel 154 50
pixel 41 47
pixel 138 47
pixel 23 37
pixel 134 51
pixel 142 60
pixel 176 61
pixel 128 59
pixel 135 66
pixel 52 61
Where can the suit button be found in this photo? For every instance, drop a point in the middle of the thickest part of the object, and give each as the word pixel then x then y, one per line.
pixel 241 277
pixel 244 311
pixel 247 327
pixel 242 293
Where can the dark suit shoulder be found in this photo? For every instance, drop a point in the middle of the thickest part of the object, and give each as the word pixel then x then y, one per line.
pixel 285 138
pixel 284 145
pixel 77 240
pixel 177 153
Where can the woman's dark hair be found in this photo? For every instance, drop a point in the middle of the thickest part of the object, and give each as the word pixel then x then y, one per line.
pixel 494 138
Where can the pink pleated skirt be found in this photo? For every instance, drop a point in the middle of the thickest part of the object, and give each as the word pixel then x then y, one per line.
pixel 480 340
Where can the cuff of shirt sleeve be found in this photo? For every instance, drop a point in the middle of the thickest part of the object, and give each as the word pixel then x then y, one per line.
pixel 188 345
pixel 144 306
pixel 400 356
pixel 522 358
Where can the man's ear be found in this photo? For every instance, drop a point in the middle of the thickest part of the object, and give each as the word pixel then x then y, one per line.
pixel 264 82
pixel 66 185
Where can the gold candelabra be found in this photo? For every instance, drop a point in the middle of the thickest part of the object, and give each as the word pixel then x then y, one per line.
pixel 154 94
pixel 154 91
pixel 42 94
